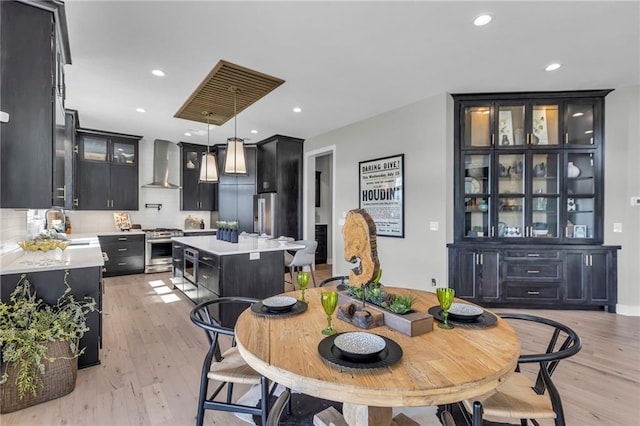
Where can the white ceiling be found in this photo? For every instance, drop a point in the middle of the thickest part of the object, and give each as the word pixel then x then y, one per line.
pixel 342 61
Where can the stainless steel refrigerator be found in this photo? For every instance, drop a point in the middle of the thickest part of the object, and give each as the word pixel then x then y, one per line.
pixel 264 213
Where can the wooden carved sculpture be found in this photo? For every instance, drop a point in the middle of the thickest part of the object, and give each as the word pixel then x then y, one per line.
pixel 360 244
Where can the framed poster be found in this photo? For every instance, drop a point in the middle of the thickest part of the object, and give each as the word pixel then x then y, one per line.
pixel 381 192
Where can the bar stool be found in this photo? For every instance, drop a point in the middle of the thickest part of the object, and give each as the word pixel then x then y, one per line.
pixel 303 257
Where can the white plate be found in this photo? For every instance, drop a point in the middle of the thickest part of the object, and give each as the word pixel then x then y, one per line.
pixel 360 343
pixel 464 310
pixel 471 185
pixel 279 303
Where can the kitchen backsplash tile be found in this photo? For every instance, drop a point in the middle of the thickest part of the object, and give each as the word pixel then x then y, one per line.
pixel 13 228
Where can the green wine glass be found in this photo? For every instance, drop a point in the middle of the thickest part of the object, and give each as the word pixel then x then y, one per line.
pixel 445 297
pixel 329 301
pixel 303 282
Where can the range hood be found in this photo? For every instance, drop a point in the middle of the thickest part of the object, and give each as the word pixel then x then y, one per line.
pixel 161 166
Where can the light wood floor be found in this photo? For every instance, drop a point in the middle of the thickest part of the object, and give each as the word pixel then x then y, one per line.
pixel 152 355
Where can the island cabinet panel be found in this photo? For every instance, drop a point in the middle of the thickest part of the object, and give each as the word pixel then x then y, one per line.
pixel 49 286
pixel 257 274
pixel 529 185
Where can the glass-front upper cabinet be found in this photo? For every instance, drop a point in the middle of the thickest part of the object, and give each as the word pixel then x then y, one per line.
pixel 124 153
pixel 529 167
pixel 581 196
pixel 477 195
pixel 95 149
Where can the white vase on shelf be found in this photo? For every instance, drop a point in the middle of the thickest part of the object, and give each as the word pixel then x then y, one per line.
pixel 573 171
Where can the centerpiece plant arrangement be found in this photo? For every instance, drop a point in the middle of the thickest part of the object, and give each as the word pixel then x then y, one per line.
pixel 375 293
pixel 28 328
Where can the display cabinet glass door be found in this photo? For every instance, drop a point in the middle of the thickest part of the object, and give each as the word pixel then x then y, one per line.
pixel 476 127
pixel 95 149
pixel 579 127
pixel 477 195
pixel 543 214
pixel 124 153
pixel 511 195
pixel 581 196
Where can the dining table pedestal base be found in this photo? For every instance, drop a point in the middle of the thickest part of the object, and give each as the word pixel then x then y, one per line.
pixel 364 415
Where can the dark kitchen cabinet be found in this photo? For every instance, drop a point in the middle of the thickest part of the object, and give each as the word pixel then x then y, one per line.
pixel 235 192
pixel 107 171
pixel 280 171
pixel 529 184
pixel 50 285
pixel 34 49
pixel 64 158
pixel 321 238
pixel 194 195
pixel 476 273
pixel 125 254
pixel 178 259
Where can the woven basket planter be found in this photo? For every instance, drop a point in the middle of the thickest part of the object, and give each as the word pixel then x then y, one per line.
pixel 58 380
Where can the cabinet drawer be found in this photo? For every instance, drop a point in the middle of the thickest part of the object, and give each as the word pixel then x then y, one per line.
pixel 122 238
pixel 533 270
pixel 209 277
pixel 124 266
pixel 532 254
pixel 532 292
pixel 209 259
pixel 121 249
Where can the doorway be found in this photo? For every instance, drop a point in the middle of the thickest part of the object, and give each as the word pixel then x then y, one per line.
pixel 319 202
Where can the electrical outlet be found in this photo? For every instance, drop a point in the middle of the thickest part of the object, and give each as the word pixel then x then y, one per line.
pixel 433 282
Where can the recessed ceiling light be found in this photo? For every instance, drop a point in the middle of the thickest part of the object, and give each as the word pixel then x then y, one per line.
pixel 552 67
pixel 254 131
pixel 141 110
pixel 187 134
pixel 158 73
pixel 481 20
pixel 578 114
pixel 297 109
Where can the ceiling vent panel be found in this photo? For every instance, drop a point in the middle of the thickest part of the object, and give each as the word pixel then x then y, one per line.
pixel 215 94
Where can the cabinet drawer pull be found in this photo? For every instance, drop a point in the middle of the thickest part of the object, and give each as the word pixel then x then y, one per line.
pixel 205 276
pixel 122 249
pixel 533 271
pixel 177 260
pixel 207 258
pixel 176 246
pixel 533 292
pixel 533 254
pixel 122 239
pixel 122 263
pixel 493 138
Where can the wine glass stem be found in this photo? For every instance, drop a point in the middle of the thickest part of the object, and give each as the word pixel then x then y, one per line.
pixel 445 315
pixel 329 321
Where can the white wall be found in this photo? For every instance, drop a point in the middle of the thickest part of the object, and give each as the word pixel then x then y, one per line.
pixel 424 133
pixel 622 181
pixel 420 131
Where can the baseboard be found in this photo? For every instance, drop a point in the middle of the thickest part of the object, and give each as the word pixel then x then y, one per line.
pixel 628 310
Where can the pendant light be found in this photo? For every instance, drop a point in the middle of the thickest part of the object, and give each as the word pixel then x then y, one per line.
pixel 208 166
pixel 235 162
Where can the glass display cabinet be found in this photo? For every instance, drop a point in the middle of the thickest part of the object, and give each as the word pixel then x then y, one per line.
pixel 528 185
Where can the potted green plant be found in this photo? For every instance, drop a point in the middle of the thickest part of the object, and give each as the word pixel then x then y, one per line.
pixel 40 345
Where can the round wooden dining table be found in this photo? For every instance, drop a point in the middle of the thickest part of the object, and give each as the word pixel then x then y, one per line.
pixel 438 367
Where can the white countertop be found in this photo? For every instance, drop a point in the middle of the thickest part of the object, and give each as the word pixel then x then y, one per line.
pixel 85 254
pixel 245 245
pixel 195 231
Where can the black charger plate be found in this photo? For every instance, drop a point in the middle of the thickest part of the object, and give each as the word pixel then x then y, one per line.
pixel 262 311
pixel 391 354
pixel 487 319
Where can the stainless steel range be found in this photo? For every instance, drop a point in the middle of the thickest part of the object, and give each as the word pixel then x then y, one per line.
pixel 158 250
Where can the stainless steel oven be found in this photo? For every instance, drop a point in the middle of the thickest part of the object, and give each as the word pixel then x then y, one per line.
pixel 191 264
pixel 159 249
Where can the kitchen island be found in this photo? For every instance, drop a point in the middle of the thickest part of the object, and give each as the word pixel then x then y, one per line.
pixel 46 272
pixel 253 267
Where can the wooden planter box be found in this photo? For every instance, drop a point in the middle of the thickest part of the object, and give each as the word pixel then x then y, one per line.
pixel 58 380
pixel 411 324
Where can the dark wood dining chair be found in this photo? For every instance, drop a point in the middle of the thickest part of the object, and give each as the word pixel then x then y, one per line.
pixel 521 398
pixel 226 367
